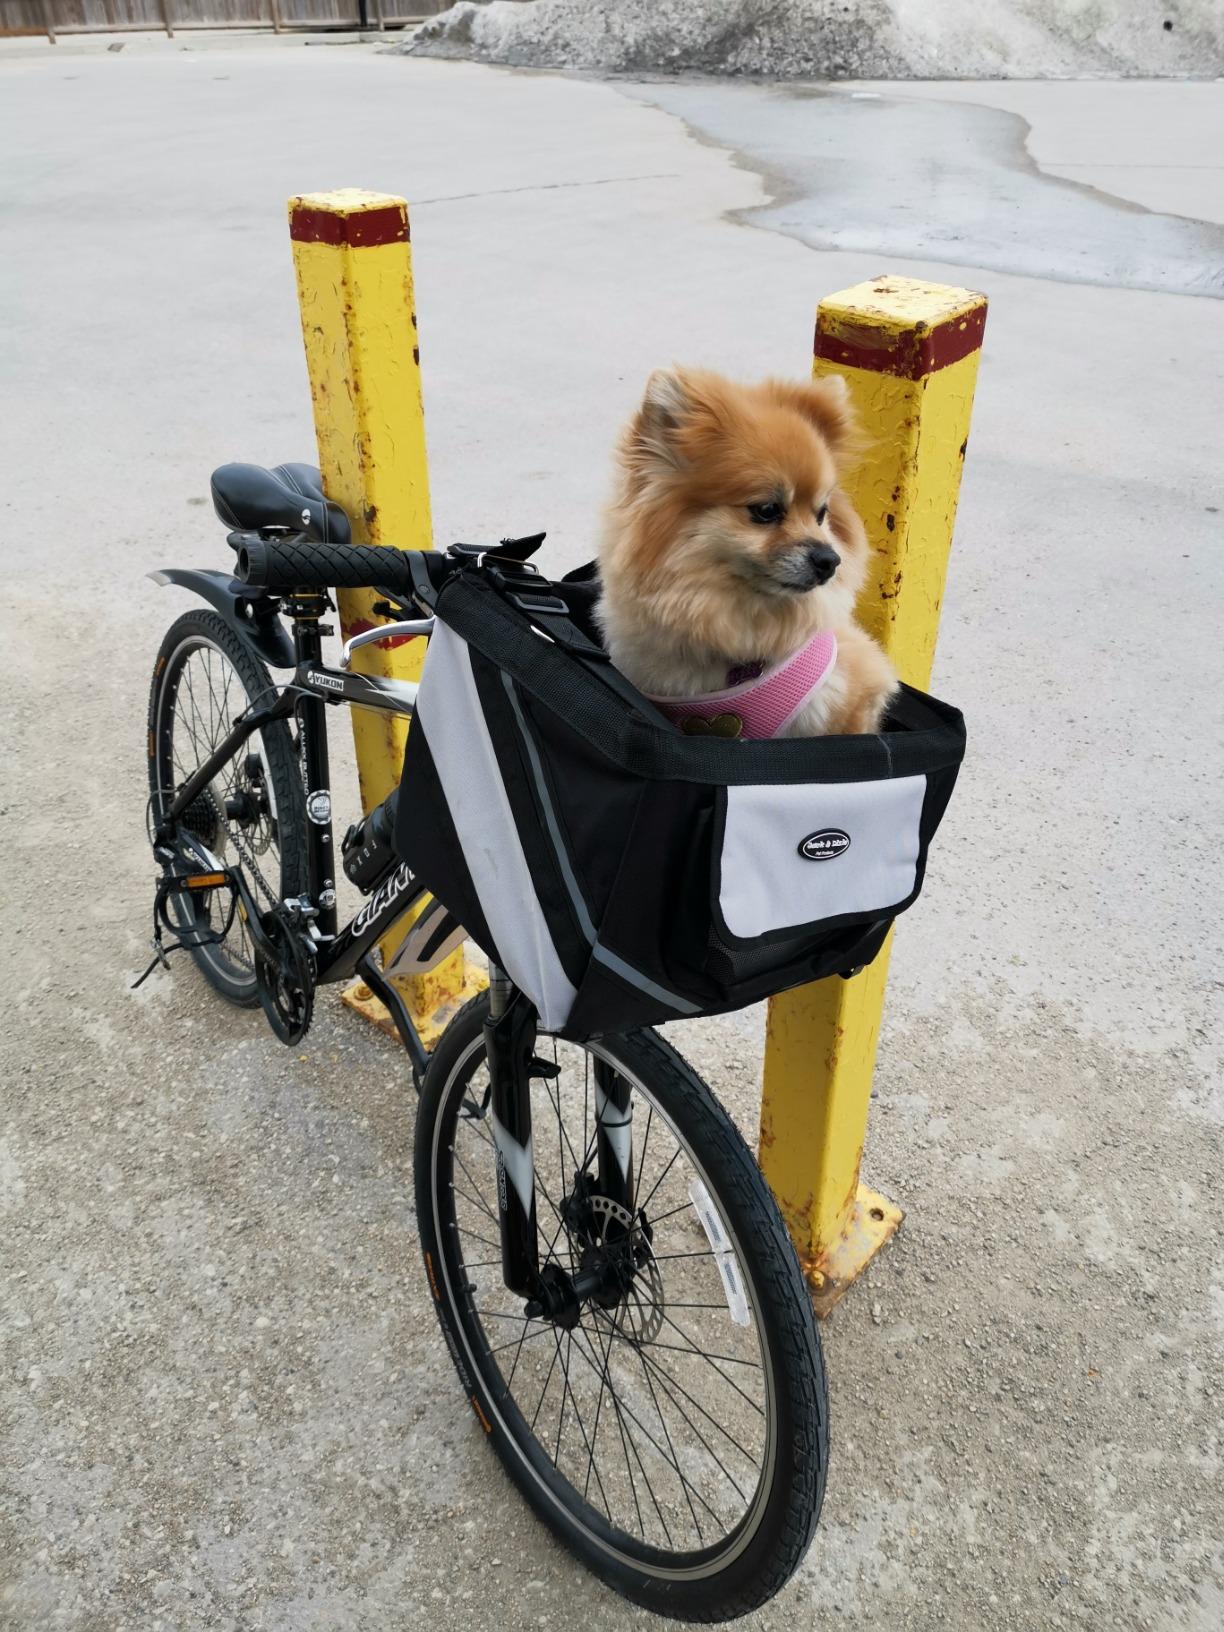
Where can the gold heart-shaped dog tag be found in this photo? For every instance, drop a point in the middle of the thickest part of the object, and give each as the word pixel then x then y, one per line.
pixel 722 725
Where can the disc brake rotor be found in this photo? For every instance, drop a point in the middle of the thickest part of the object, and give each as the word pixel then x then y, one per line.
pixel 640 1314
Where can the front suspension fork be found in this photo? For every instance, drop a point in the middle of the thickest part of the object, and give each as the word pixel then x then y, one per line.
pixel 614 1134
pixel 510 1039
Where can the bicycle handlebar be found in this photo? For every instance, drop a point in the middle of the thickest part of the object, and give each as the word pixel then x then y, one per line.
pixel 296 563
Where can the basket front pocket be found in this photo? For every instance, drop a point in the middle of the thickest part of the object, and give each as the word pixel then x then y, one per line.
pixel 816 853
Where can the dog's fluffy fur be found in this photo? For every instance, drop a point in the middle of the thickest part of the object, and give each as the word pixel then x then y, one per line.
pixel 716 546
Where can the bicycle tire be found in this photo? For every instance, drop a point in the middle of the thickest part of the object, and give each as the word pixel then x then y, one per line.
pixel 763 1557
pixel 205 631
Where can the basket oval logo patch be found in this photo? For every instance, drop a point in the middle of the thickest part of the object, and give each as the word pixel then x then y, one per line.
pixel 825 845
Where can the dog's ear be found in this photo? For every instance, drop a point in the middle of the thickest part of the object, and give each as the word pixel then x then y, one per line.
pixel 666 406
pixel 825 403
pixel 668 397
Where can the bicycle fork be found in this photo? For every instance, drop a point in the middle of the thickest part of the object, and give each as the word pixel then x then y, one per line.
pixel 509 1034
pixel 510 1039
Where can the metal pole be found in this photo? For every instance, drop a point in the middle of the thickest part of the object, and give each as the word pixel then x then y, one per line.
pixel 909 353
pixel 354 276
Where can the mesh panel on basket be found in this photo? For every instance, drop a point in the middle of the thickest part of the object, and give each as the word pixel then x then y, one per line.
pixel 732 964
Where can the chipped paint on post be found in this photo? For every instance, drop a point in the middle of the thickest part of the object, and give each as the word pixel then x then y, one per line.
pixel 353 260
pixel 909 352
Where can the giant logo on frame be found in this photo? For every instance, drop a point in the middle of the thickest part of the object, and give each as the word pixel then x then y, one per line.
pixel 382 898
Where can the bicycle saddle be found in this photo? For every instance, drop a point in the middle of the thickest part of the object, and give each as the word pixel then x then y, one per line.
pixel 252 498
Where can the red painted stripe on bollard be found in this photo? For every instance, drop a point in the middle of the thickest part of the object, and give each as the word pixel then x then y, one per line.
pixel 910 356
pixel 361 230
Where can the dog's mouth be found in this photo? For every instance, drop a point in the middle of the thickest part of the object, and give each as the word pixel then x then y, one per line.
pixel 801 570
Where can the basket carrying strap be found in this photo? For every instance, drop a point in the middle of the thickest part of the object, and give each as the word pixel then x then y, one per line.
pixel 533 597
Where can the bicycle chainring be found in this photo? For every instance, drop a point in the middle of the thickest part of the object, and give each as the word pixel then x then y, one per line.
pixel 286 976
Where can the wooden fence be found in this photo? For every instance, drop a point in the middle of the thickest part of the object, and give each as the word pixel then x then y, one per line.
pixel 52 17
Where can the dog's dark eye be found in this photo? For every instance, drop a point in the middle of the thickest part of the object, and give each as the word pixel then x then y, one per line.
pixel 822 511
pixel 768 514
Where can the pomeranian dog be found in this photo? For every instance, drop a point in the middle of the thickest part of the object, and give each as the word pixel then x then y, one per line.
pixel 731 560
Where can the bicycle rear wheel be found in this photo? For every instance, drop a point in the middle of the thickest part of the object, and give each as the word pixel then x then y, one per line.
pixel 253 812
pixel 674 1433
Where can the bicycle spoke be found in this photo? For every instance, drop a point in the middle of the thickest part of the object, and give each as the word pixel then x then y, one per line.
pixel 641 1167
pixel 581 1428
pixel 472 1202
pixel 517 1354
pixel 544 1390
pixel 620 1424
pixel 731 1359
pixel 670 1446
pixel 564 1397
pixel 666 1378
pixel 555 1101
pixel 633 1417
pixel 653 1367
pixel 674 1348
pixel 675 1153
pixel 529 1338
pixel 476 1200
pixel 671 1213
pixel 627 1432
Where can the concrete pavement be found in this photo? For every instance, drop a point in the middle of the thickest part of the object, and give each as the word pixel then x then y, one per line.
pixel 224 1397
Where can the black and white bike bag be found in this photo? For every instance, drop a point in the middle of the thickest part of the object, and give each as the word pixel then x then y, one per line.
pixel 624 873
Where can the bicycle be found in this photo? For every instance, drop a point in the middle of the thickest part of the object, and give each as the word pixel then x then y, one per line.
pixel 613 1280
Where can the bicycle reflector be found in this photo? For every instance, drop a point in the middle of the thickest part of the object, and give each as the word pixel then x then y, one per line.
pixel 203 881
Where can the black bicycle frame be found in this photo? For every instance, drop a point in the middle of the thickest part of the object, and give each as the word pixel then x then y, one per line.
pixel 510 1031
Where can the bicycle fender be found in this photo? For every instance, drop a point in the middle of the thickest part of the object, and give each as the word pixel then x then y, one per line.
pixel 253 618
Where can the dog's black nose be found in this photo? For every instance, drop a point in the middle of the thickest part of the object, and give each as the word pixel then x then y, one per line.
pixel 823 562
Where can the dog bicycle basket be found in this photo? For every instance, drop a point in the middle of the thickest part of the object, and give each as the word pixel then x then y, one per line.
pixel 624 873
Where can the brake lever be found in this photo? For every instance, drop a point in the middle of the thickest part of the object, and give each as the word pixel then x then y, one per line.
pixel 385 631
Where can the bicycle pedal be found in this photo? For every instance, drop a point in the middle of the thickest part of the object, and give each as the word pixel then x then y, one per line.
pixel 543 1068
pixel 202 881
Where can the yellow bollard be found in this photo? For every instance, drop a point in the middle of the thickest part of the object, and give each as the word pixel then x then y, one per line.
pixel 909 353
pixel 354 276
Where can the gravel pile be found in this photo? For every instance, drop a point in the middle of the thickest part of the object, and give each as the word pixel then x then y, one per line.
pixel 840 39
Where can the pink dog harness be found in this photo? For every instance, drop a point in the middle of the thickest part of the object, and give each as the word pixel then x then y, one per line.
pixel 760 705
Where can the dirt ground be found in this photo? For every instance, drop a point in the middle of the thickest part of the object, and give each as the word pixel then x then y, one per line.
pixel 224 1398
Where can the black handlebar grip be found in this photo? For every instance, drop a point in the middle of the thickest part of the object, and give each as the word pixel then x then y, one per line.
pixel 296 563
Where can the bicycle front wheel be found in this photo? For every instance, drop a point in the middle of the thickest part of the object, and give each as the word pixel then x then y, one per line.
pixel 671 1429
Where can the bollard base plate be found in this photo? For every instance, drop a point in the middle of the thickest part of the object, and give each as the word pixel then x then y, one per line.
pixel 871 1221
pixel 432 1003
